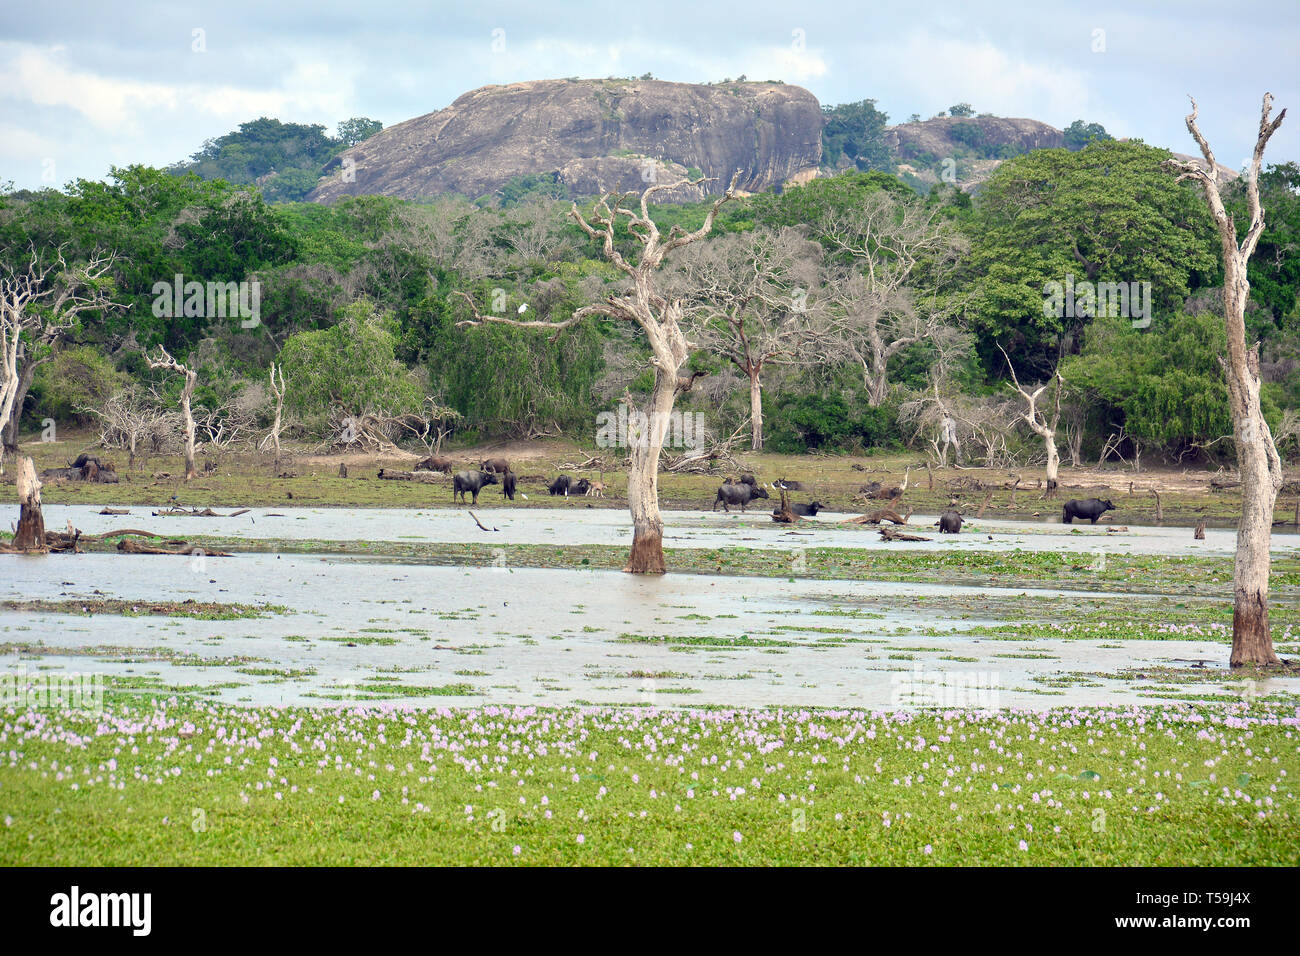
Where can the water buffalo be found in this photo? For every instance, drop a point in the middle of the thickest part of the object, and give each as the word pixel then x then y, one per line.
pixel 785 485
pixel 471 481
pixel 436 463
pixel 508 485
pixel 806 511
pixel 498 465
pixel 580 487
pixel 949 523
pixel 560 486
pixel 1092 508
pixel 741 493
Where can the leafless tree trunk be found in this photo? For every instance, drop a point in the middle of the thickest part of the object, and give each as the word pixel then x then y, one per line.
pixel 1042 426
pixel 277 389
pixel 30 535
pixel 165 361
pixel 659 317
pixel 756 409
pixel 1257 456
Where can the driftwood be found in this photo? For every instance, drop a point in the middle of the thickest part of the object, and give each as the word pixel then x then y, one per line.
pixel 131 546
pixel 1199 533
pixel 784 514
pixel 480 523
pixel 987 499
pixel 116 511
pixel 893 534
pixel 197 513
pixel 1160 511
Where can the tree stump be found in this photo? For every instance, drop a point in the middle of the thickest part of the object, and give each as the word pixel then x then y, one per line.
pixel 30 535
pixel 1199 533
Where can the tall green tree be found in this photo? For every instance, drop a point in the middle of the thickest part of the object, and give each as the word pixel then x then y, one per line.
pixel 1107 213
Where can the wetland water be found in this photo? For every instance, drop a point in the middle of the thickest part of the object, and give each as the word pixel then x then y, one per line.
pixel 363 630
pixel 574 524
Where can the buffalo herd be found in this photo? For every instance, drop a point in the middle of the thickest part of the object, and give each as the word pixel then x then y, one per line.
pixel 734 492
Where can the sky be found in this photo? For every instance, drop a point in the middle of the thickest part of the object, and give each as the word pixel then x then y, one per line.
pixel 88 85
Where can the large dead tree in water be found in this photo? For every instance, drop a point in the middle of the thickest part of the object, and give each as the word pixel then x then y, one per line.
pixel 165 361
pixel 659 317
pixel 1037 419
pixel 30 534
pixel 1257 457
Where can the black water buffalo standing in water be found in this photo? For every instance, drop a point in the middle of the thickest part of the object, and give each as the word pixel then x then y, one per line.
pixel 949 523
pixel 508 485
pixel 471 481
pixel 806 511
pixel 560 486
pixel 738 494
pixel 1092 508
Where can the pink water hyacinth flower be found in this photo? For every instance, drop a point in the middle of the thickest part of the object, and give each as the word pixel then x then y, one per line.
pixel 736 836
pixel 581 838
pixel 1024 845
pixel 928 849
pixel 517 850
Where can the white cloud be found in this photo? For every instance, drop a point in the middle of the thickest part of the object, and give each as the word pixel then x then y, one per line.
pixel 942 70
pixel 41 78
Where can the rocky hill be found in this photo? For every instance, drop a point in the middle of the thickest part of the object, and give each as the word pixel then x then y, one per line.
pixel 594 135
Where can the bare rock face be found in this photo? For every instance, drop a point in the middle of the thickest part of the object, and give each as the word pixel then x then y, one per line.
pixel 596 135
pixel 938 137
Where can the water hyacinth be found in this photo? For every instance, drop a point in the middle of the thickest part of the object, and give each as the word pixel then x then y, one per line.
pixel 865 786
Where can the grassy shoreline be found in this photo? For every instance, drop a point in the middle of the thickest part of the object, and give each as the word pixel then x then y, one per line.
pixel 244 479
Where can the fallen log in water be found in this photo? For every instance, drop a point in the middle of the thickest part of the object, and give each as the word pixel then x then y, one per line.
pixel 116 511
pixel 480 523
pixel 197 513
pixel 877 517
pixel 893 534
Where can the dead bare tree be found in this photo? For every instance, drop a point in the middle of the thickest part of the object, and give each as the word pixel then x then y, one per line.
pixel 30 533
pixel 640 301
pixel 126 418
pixel 277 390
pixel 1037 419
pixel 882 304
pixel 1257 455
pixel 747 296
pixel 40 303
pixel 165 361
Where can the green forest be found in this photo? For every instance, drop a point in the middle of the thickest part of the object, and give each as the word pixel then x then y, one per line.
pixel 877 311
